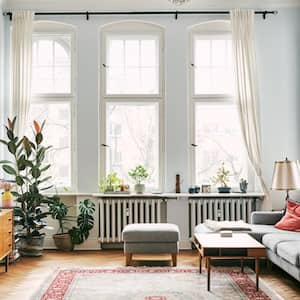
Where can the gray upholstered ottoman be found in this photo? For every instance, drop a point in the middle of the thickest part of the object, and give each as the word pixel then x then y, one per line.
pixel 151 238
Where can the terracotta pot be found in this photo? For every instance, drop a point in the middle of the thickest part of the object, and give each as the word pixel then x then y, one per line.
pixel 63 242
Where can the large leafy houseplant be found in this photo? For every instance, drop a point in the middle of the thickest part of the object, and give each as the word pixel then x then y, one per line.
pixel 28 169
pixel 66 238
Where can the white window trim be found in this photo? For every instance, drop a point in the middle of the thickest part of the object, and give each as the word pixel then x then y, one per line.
pixel 211 99
pixel 104 37
pixel 55 29
pixel 130 98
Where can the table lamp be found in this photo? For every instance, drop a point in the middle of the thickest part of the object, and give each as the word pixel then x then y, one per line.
pixel 286 176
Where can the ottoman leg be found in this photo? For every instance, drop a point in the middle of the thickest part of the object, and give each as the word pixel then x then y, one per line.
pixel 174 259
pixel 128 259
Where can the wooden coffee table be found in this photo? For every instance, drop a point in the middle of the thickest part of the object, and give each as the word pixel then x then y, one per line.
pixel 239 246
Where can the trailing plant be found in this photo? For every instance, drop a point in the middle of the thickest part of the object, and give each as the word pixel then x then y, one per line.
pixel 139 174
pixel 111 182
pixel 28 169
pixel 222 176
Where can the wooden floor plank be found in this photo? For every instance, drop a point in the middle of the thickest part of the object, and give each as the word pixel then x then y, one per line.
pixel 31 272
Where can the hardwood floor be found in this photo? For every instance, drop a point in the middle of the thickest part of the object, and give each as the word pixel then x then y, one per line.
pixel 31 272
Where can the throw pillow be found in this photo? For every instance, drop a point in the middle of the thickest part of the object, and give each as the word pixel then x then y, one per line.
pixel 291 219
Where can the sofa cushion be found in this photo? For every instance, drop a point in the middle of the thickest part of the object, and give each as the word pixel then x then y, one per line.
pixel 290 251
pixel 272 240
pixel 158 232
pixel 291 219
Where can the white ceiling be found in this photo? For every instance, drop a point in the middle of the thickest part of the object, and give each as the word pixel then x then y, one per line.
pixel 143 4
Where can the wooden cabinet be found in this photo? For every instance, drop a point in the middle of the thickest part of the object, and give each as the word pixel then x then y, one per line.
pixel 6 235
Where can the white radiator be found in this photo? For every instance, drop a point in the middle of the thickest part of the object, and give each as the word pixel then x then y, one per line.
pixel 115 214
pixel 226 209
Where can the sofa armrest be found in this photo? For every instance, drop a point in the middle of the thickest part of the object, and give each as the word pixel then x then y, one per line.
pixel 265 217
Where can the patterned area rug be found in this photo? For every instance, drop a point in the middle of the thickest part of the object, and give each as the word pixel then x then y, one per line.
pixel 145 283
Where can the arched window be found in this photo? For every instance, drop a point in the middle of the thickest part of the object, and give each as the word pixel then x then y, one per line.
pixel 53 96
pixel 131 103
pixel 214 116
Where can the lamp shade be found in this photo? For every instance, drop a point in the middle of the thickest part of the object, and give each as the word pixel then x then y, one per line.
pixel 286 175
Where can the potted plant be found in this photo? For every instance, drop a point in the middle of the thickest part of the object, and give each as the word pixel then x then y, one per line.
pixel 62 238
pixel 28 169
pixel 222 178
pixel 66 238
pixel 110 183
pixel 243 185
pixel 139 174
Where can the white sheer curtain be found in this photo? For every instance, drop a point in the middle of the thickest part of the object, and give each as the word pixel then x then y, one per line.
pixel 22 27
pixel 242 22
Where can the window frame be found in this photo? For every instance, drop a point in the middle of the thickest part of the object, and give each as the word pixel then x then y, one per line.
pixel 129 28
pixel 218 28
pixel 44 28
pixel 102 66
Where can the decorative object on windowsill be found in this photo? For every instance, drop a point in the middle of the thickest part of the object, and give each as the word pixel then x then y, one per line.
pixel 222 178
pixel 139 174
pixel 177 187
pixel 7 197
pixel 66 238
pixel 197 189
pixel 191 190
pixel 110 184
pixel 286 176
pixel 243 185
pixel 28 170
pixel 206 188
pixel 179 2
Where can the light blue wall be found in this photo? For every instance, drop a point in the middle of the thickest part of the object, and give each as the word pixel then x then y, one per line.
pixel 278 51
pixel 278 54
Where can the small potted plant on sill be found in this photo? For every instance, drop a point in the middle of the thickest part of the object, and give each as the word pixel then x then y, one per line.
pixel 66 238
pixel 110 183
pixel 139 174
pixel 222 178
pixel 243 185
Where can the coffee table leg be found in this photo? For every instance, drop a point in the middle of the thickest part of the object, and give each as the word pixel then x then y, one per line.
pixel 242 265
pixel 200 263
pixel 257 272
pixel 208 273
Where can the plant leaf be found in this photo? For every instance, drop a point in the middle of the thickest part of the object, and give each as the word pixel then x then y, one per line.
pixel 9 170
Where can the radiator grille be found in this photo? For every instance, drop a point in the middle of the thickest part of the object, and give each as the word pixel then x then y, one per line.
pixel 227 209
pixel 115 214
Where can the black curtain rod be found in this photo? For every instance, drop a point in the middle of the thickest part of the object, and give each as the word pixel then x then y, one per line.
pixel 87 14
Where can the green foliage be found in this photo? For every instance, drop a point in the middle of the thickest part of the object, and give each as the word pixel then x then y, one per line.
pixel 243 181
pixel 139 174
pixel 59 212
pixel 110 183
pixel 27 170
pixel 222 176
pixel 85 222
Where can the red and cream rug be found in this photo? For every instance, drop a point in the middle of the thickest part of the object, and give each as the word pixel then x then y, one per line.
pixel 145 283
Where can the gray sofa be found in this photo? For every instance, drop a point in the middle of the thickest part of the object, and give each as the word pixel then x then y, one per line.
pixel 283 247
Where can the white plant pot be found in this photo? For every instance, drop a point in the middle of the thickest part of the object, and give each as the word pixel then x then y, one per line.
pixel 139 188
